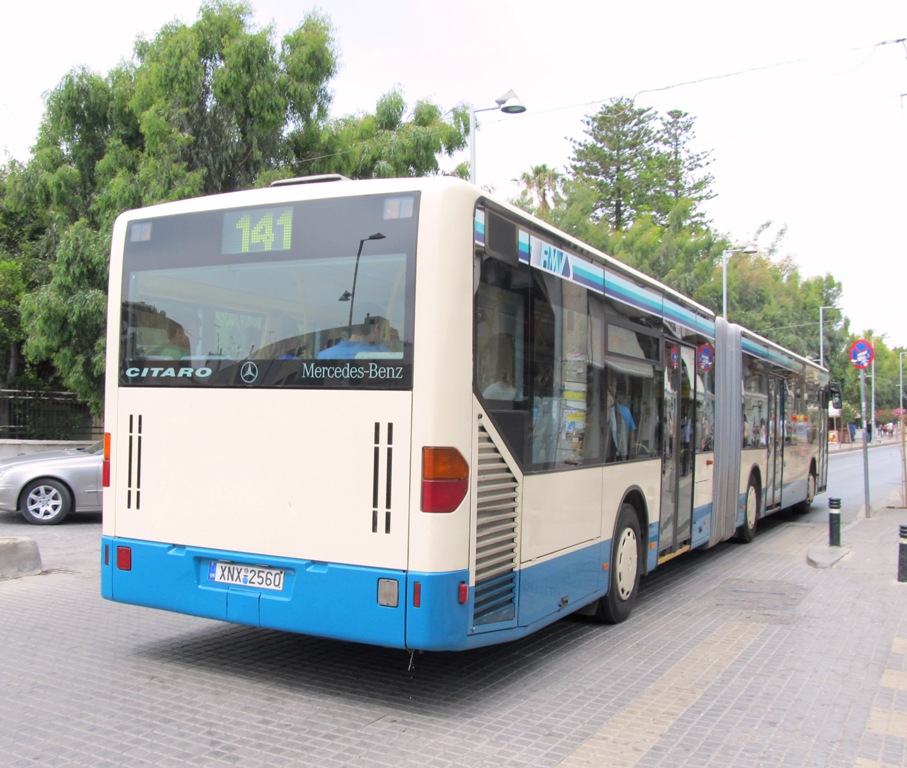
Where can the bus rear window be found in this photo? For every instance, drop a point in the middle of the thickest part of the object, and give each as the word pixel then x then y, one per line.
pixel 314 294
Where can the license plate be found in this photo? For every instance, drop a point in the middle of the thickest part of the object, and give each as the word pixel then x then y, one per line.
pixel 246 575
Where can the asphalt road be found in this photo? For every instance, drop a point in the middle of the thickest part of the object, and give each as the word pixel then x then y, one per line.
pixel 846 479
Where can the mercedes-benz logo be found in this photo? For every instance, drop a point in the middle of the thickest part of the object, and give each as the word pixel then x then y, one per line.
pixel 249 372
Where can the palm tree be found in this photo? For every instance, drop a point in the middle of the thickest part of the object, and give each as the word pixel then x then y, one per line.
pixel 540 187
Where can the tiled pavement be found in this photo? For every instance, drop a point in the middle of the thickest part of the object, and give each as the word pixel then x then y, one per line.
pixel 744 655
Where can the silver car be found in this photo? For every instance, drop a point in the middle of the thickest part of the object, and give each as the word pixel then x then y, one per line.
pixel 46 487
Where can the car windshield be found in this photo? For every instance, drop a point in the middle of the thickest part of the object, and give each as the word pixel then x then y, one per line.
pixel 97 447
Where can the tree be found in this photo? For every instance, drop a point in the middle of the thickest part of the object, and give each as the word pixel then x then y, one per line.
pixel 769 296
pixel 540 191
pixel 71 308
pixel 679 168
pixel 12 288
pixel 640 163
pixel 390 142
pixel 218 97
pixel 619 161
pixel 26 249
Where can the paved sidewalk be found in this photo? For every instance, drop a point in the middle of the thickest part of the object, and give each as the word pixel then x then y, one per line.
pixel 812 670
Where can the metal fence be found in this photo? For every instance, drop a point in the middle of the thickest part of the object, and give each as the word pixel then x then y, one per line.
pixel 33 415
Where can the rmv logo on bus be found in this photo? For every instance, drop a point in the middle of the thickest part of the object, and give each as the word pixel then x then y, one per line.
pixel 554 260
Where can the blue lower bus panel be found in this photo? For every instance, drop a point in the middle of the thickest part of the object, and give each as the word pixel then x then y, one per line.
pixel 392 608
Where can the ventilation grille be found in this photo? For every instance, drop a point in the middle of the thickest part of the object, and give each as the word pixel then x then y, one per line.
pixel 496 536
pixel 385 446
pixel 134 466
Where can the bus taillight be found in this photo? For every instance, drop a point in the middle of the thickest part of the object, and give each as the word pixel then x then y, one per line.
pixel 445 479
pixel 105 465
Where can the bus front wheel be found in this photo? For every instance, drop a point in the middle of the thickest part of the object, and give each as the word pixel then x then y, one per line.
pixel 624 569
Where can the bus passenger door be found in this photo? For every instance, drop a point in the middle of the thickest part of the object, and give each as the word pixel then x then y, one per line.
pixel 825 398
pixel 774 463
pixel 677 457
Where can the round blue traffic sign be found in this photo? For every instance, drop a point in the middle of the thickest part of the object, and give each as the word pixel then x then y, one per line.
pixel 861 353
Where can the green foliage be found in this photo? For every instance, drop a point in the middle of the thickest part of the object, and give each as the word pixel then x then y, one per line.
pixel 678 253
pixel 618 161
pixel 541 190
pixel 386 145
pixel 678 169
pixel 12 288
pixel 640 164
pixel 26 243
pixel 216 97
pixel 65 319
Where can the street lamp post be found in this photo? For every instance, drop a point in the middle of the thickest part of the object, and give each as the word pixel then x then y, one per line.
pixel 901 356
pixel 350 295
pixel 724 259
pixel 822 334
pixel 509 104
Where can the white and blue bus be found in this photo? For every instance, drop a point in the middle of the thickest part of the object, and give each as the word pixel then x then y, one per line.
pixel 401 412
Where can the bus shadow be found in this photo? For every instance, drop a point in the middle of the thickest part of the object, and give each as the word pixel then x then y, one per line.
pixel 435 681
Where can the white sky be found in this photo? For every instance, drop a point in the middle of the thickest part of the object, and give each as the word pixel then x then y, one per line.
pixel 817 143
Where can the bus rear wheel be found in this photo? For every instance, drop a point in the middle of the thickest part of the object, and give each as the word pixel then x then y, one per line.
pixel 747 531
pixel 624 570
pixel 804 506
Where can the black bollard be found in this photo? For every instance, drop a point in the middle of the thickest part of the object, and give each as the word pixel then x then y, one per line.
pixel 902 555
pixel 834 522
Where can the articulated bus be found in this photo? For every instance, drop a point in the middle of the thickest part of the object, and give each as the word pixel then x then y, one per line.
pixel 401 412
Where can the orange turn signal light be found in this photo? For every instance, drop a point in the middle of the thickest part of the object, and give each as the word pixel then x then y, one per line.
pixel 445 479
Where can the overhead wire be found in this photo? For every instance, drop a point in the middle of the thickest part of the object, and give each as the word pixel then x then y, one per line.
pixel 683 83
pixel 710 78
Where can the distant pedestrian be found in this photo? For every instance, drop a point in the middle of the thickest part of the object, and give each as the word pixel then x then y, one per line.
pixel 853 432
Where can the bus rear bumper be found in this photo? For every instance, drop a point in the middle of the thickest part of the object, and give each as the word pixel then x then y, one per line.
pixel 344 602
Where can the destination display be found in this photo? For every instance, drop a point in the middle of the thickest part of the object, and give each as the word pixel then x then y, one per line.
pixel 257 230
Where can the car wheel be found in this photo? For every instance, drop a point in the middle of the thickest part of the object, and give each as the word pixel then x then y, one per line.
pixel 624 570
pixel 46 502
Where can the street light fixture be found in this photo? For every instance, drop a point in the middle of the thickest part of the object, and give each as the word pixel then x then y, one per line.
pixel 822 333
pixel 509 104
pixel 901 356
pixel 724 259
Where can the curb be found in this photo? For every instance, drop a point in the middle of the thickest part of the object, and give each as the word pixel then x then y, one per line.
pixel 827 556
pixel 19 556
